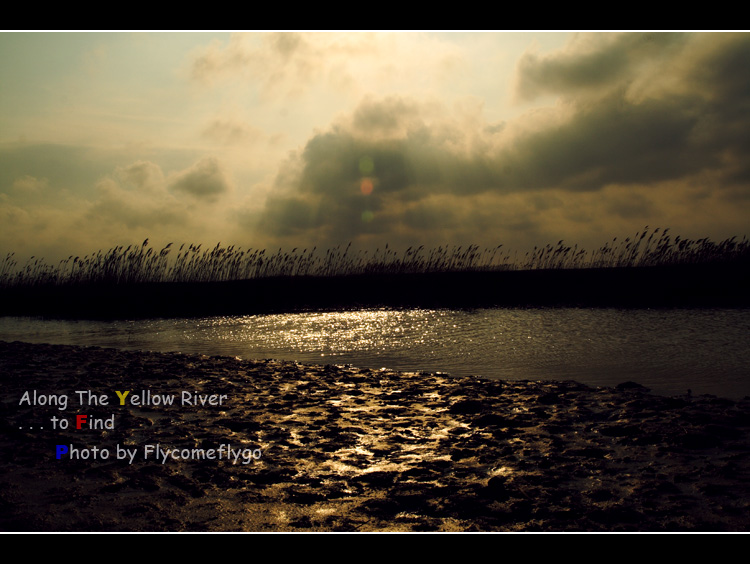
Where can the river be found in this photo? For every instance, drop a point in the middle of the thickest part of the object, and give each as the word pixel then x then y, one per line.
pixel 669 351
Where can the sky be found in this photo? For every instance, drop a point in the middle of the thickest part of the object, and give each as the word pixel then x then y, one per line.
pixel 268 140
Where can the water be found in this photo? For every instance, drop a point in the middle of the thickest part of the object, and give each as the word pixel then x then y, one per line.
pixel 668 351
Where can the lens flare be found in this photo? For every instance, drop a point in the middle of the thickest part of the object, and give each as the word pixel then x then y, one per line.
pixel 366 186
pixel 367 216
pixel 366 165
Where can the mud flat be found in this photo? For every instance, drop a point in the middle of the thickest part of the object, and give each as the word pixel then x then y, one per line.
pixel 337 448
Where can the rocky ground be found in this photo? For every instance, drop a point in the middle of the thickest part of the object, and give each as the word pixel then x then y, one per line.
pixel 336 448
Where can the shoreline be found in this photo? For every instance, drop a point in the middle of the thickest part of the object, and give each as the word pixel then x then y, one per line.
pixel 347 449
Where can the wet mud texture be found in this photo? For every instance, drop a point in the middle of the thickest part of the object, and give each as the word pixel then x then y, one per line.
pixel 345 449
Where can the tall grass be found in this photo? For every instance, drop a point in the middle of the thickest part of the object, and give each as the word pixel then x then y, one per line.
pixel 141 263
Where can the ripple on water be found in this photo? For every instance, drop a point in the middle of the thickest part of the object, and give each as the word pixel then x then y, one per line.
pixel 669 351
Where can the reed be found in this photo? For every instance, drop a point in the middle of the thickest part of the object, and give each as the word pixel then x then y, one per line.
pixel 192 264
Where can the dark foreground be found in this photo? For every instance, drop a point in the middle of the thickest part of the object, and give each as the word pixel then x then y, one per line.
pixel 343 449
pixel 703 285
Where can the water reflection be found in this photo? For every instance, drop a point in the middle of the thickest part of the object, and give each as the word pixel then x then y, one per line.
pixel 667 350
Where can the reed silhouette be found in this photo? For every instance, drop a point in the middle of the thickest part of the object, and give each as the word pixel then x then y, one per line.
pixel 650 269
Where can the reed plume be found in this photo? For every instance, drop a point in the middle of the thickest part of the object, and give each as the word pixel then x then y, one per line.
pixel 143 264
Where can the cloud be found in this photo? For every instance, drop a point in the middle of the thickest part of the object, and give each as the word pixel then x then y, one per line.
pixel 118 209
pixel 674 105
pixel 143 175
pixel 640 120
pixel 610 132
pixel 28 183
pixel 594 63
pixel 290 64
pixel 394 168
pixel 205 180
pixel 278 59
pixel 139 197
pixel 64 166
pixel 132 202
pixel 230 132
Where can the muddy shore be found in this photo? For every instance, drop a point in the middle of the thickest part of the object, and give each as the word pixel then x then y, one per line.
pixel 337 448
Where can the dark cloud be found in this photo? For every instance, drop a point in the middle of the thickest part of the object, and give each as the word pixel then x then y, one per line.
pixel 388 117
pixel 333 197
pixel 205 180
pixel 288 216
pixel 612 141
pixel 632 206
pixel 433 215
pixel 723 66
pixel 332 164
pixel 592 62
pixel 648 110
pixel 643 108
pixel 143 175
